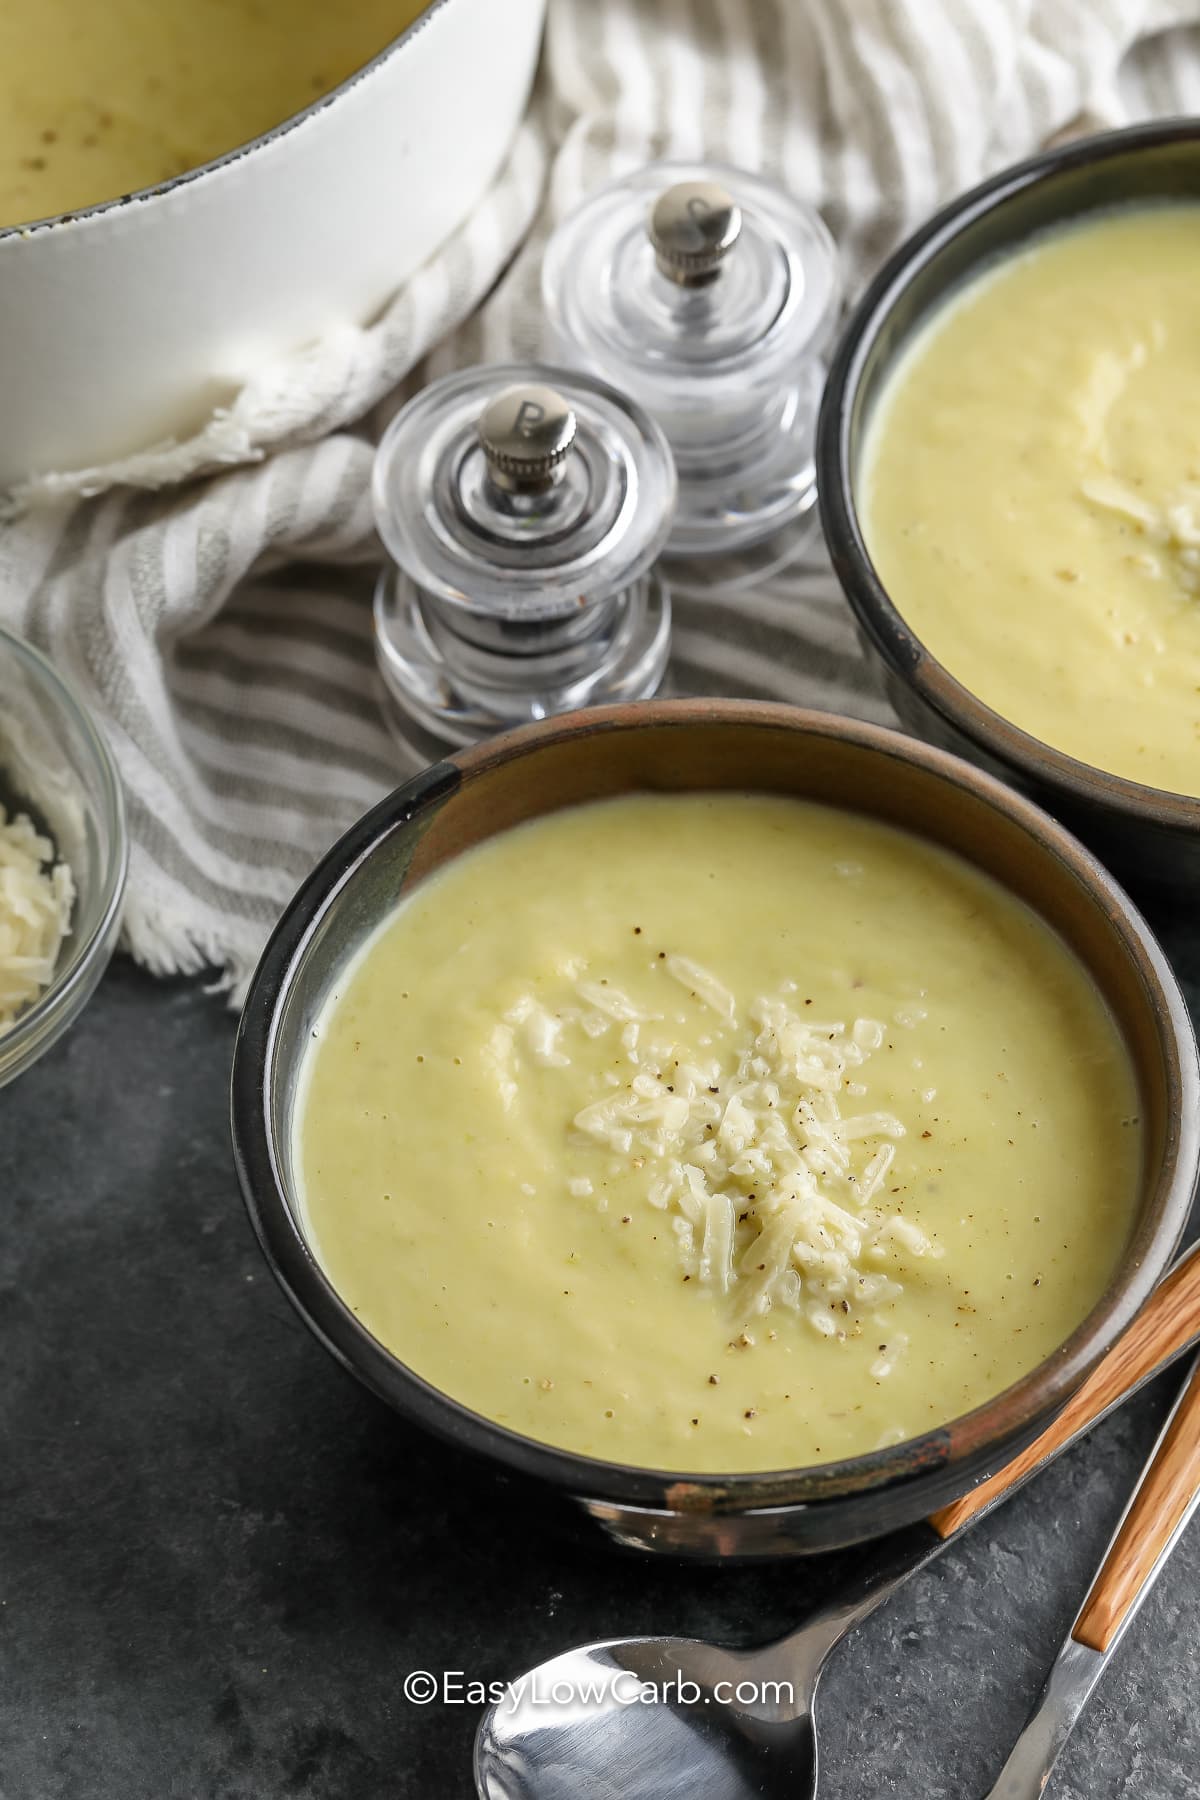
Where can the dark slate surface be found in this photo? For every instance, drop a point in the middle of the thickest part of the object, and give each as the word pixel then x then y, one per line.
pixel 219 1558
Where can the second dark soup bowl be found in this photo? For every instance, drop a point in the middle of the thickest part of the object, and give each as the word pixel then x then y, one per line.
pixel 675 746
pixel 1149 835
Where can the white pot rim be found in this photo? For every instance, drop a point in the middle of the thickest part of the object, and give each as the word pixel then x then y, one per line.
pixel 147 197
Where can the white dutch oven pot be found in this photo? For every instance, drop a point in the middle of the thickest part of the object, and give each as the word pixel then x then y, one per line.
pixel 131 321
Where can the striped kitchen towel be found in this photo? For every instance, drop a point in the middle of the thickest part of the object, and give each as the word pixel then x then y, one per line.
pixel 219 627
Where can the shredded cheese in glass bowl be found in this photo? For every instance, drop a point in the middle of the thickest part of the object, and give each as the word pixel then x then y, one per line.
pixel 63 855
pixel 37 895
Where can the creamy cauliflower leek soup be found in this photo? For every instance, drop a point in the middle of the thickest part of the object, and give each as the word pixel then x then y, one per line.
pixel 716 1132
pixel 99 100
pixel 1032 492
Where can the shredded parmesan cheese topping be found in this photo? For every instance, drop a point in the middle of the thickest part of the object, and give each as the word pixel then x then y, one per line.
pixel 36 896
pixel 776 1193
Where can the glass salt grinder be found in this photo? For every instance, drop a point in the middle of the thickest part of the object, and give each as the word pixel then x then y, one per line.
pixel 523 509
pixel 709 295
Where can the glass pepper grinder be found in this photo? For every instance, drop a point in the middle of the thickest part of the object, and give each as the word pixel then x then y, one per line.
pixel 523 509
pixel 710 296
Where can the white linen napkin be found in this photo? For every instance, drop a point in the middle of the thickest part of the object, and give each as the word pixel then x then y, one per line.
pixel 211 598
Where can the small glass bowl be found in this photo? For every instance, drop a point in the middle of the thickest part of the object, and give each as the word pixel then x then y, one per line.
pixel 55 766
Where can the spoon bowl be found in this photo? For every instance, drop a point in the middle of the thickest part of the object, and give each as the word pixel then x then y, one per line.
pixel 678 1719
pixel 656 1719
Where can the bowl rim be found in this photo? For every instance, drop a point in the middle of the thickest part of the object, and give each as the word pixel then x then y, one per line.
pixel 29 1036
pixel 159 190
pixel 1020 1408
pixel 905 654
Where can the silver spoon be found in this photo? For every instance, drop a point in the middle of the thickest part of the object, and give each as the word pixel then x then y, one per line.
pixel 677 1718
pixel 680 1719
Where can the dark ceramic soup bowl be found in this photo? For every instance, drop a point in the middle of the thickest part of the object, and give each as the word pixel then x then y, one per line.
pixel 706 745
pixel 1149 835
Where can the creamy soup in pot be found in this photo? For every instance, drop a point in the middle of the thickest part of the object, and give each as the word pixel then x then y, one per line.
pixel 1031 491
pixel 100 100
pixel 717 1132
